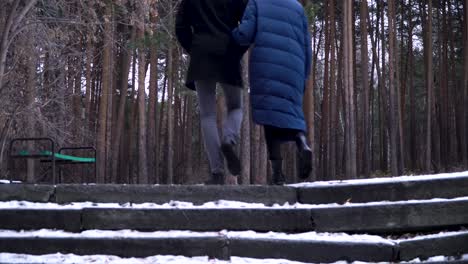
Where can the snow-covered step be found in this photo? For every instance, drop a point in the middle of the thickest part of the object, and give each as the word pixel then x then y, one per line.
pixel 375 217
pixel 11 258
pixel 402 188
pixel 357 191
pixel 115 193
pixel 306 247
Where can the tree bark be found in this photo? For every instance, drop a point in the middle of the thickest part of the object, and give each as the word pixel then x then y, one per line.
pixel 170 118
pixel 464 119
pixel 103 102
pixel 324 124
pixel 394 160
pixel 348 78
pixel 427 22
pixel 119 126
pixel 333 119
pixel 142 146
pixel 152 105
pixel 245 129
pixel 365 90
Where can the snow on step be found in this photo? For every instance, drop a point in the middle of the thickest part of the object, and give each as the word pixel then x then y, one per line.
pixel 221 204
pixel 308 236
pixel 75 259
pixel 408 178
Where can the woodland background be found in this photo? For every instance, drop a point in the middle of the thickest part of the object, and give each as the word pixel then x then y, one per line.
pixel 387 93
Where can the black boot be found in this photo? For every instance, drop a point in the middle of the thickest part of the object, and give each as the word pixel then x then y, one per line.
pixel 217 178
pixel 277 168
pixel 232 160
pixel 304 156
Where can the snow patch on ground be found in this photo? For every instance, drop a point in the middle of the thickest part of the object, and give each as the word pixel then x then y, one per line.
pixel 309 236
pixel 75 259
pixel 221 204
pixel 408 178
pixel 439 259
pixel 438 235
pixel 2 181
pixel 124 233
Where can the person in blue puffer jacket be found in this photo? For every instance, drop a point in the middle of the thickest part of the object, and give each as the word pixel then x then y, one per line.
pixel 279 67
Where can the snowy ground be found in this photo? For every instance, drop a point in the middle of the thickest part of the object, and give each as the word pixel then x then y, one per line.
pixel 70 258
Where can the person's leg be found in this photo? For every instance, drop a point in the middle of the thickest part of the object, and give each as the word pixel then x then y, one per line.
pixel 274 154
pixel 233 121
pixel 231 127
pixel 206 91
pixel 304 154
pixel 273 143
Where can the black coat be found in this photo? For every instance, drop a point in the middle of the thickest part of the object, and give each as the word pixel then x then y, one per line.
pixel 203 28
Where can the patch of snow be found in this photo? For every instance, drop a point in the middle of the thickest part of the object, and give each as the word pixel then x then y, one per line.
pixel 76 259
pixel 439 259
pixel 408 178
pixel 311 236
pixel 2 181
pixel 125 233
pixel 438 235
pixel 221 204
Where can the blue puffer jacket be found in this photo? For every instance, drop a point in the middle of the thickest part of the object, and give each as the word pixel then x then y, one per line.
pixel 279 61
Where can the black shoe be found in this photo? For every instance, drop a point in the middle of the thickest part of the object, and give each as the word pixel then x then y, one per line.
pixel 217 178
pixel 277 168
pixel 304 156
pixel 233 162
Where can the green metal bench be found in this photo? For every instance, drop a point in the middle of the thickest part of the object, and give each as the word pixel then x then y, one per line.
pixel 49 155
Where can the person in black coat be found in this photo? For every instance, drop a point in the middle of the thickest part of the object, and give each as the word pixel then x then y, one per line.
pixel 203 28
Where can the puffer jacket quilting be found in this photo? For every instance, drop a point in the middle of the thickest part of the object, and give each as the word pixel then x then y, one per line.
pixel 279 60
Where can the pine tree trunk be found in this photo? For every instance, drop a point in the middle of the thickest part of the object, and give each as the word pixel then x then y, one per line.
pixel 412 98
pixel 245 129
pixel 365 90
pixel 142 151
pixel 170 117
pixel 254 153
pixel 152 106
pixel 333 125
pixel 324 123
pixel 348 78
pixel 188 146
pixel 464 118
pixel 309 105
pixel 103 101
pixel 393 91
pixel 119 126
pixel 161 124
pixel 429 84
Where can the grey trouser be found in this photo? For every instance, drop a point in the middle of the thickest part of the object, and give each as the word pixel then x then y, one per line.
pixel 206 91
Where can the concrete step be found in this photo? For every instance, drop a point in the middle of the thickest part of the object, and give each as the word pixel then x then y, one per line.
pixel 385 189
pixel 114 193
pixel 356 191
pixel 317 248
pixel 391 217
